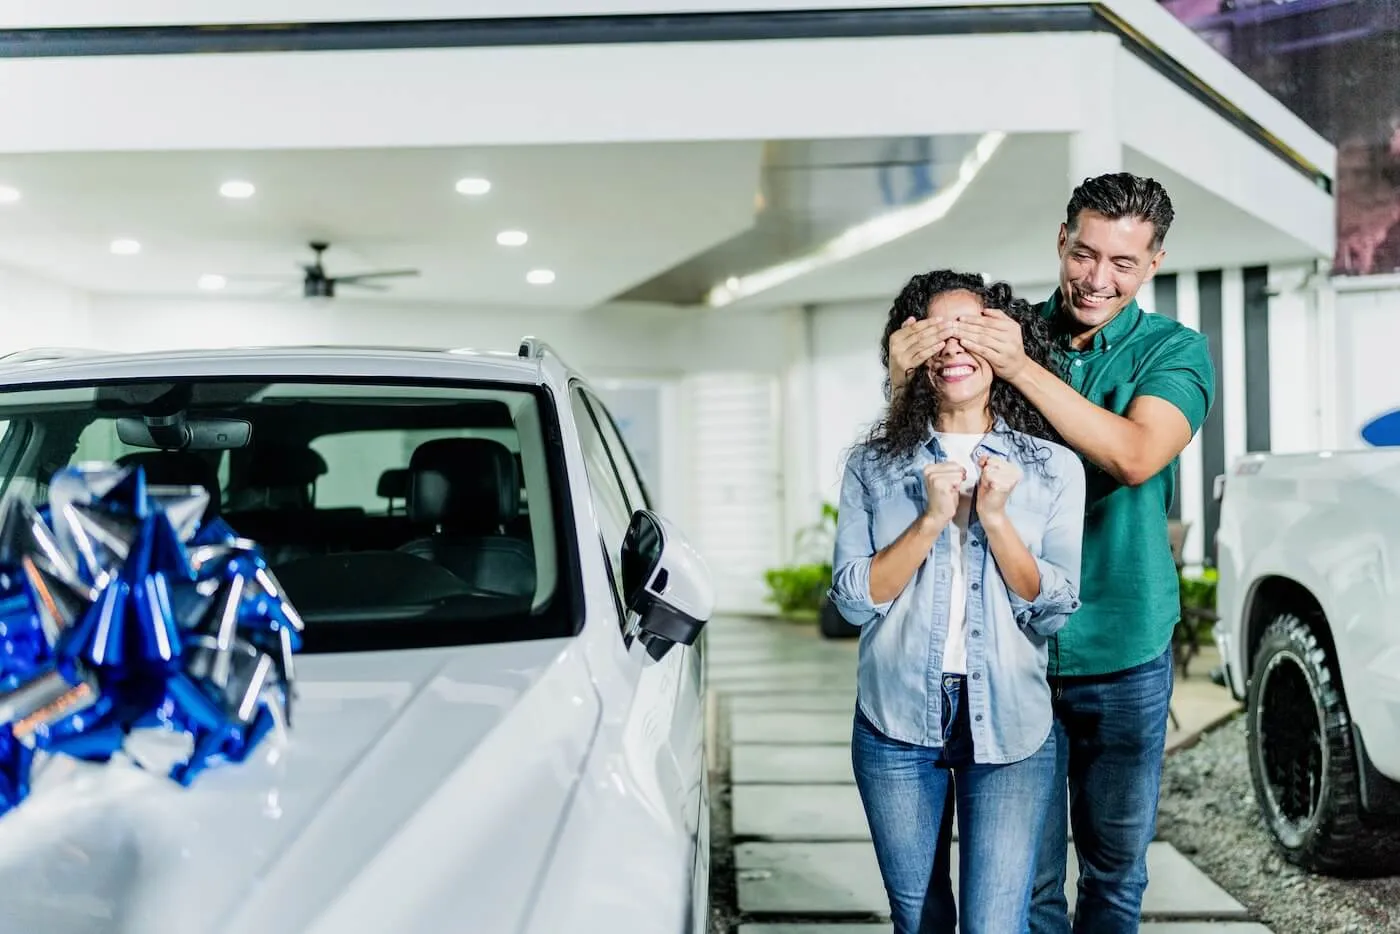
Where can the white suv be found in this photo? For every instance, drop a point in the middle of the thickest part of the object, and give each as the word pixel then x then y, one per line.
pixel 1310 639
pixel 498 722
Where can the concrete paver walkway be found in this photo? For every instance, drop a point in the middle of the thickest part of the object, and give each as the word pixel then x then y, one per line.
pixel 801 845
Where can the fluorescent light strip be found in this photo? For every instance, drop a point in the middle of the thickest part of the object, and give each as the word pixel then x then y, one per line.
pixel 866 235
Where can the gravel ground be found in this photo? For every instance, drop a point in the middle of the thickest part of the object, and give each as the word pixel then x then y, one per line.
pixel 1208 812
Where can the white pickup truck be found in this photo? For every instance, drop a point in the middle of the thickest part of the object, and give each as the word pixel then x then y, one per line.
pixel 1309 634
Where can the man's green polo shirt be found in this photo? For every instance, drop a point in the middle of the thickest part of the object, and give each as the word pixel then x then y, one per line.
pixel 1128 582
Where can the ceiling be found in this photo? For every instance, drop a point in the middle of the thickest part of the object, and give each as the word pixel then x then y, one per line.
pixel 602 218
pixel 1005 224
pixel 648 223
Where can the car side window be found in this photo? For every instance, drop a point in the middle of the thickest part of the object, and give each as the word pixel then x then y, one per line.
pixel 609 498
pixel 632 484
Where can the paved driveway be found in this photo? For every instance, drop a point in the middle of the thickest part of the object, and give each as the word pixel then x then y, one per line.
pixel 801 854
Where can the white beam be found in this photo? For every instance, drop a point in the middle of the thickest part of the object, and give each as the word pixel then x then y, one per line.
pixel 1168 125
pixel 563 94
pixel 1155 27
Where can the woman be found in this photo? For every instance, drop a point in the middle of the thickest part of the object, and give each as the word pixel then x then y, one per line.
pixel 957 552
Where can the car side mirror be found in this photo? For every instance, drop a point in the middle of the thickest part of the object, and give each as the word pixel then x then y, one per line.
pixel 665 582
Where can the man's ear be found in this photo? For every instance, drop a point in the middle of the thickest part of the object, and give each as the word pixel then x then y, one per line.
pixel 1062 239
pixel 1156 263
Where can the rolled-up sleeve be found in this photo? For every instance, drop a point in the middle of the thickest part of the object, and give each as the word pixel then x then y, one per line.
pixel 854 552
pixel 1061 548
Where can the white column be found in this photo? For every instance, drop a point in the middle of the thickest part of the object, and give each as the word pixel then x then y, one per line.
pixel 1233 385
pixel 801 496
pixel 1295 388
pixel 1324 337
pixel 1193 510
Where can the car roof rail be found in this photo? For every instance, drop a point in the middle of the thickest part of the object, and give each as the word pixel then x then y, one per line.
pixel 40 354
pixel 532 348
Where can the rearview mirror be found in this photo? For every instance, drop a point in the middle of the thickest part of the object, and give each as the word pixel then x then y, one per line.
pixel 176 433
pixel 665 582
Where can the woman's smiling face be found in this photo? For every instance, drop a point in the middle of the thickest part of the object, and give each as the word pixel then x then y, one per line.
pixel 959 376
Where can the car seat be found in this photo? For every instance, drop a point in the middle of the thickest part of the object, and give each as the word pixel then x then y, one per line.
pixel 464 491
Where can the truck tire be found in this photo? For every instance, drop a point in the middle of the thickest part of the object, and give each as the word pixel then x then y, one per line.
pixel 1303 761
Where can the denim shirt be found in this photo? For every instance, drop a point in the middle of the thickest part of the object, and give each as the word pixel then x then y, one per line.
pixel 899 674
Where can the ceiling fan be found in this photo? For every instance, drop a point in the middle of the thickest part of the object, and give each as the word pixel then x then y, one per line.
pixel 317 284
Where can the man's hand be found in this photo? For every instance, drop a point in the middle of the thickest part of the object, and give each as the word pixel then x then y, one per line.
pixel 942 482
pixel 915 344
pixel 994 486
pixel 996 338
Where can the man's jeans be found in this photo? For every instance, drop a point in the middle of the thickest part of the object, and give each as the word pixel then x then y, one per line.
pixel 1000 808
pixel 1110 732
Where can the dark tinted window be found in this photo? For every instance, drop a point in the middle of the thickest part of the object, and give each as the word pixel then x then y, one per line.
pixel 393 515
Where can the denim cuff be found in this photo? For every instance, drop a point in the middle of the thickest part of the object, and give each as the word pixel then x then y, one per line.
pixel 1048 612
pixel 850 593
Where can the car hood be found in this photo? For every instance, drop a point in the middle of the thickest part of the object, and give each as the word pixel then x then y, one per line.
pixel 375 736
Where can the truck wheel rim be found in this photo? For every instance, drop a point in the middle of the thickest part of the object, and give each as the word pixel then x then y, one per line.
pixel 1292 755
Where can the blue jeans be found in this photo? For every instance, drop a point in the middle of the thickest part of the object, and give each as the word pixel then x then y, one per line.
pixel 908 796
pixel 1110 733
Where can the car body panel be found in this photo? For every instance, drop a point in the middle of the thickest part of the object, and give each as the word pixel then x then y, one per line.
pixel 519 787
pixel 1329 522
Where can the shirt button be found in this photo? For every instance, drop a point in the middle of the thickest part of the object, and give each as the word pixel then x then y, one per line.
pixel 977 676
pixel 976 586
pixel 1079 363
pixel 979 718
pixel 976 632
pixel 976 542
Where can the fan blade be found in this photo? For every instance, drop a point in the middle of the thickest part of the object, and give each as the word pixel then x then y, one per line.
pixel 372 286
pixel 360 277
pixel 259 277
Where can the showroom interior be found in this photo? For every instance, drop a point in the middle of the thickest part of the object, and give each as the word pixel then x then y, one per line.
pixel 705 207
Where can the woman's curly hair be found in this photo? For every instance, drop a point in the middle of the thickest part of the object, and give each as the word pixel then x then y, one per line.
pixel 913 410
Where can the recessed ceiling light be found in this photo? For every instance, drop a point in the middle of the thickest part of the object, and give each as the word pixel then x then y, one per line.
pixel 512 238
pixel 473 186
pixel 539 276
pixel 237 189
pixel 212 282
pixel 126 247
pixel 8 195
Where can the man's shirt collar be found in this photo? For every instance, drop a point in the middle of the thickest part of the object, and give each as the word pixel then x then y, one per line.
pixel 1116 329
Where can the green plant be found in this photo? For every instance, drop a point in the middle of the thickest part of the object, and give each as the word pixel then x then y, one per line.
pixel 1198 590
pixel 797 589
pixel 1197 607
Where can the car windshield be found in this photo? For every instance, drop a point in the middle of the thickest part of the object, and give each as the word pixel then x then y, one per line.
pixel 395 516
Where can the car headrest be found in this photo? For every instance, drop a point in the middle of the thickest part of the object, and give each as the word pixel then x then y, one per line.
pixel 463 483
pixel 393 483
pixel 177 468
pixel 284 465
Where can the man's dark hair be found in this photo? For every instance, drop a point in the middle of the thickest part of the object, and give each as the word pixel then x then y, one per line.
pixel 1123 194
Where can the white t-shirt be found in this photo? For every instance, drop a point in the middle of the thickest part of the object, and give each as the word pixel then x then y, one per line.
pixel 959 448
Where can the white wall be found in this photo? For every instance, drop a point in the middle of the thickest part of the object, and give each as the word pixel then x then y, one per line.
pixel 822 361
pixel 39 313
pixel 718 377
pixel 609 341
pixel 1365 337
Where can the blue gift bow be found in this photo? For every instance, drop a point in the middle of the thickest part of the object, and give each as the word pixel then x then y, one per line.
pixel 120 609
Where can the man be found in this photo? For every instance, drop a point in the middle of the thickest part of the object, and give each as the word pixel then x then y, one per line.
pixel 1137 387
